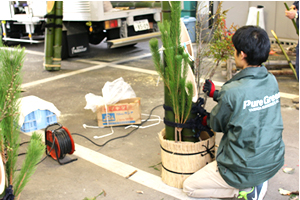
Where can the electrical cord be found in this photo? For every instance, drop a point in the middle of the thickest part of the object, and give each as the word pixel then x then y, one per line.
pixel 64 142
pixel 123 136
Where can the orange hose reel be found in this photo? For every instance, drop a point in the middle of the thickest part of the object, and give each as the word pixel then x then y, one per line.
pixel 63 143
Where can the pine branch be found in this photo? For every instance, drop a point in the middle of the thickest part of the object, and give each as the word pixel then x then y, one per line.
pixel 156 58
pixel 10 67
pixel 11 136
pixel 34 154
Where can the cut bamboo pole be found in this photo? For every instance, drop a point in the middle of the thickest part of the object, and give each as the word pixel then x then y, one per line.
pixel 169 115
pixel 49 34
pixel 57 35
pixel 284 53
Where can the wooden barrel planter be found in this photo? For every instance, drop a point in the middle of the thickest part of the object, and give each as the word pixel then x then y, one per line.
pixel 182 159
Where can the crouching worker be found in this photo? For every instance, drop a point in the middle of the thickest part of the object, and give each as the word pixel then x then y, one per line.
pixel 251 150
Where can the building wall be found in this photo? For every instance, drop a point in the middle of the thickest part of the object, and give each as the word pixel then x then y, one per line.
pixel 274 16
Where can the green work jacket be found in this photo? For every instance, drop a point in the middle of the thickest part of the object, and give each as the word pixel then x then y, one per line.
pixel 251 150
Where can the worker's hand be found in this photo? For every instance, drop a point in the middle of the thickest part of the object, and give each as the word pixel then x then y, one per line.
pixel 209 88
pixel 290 14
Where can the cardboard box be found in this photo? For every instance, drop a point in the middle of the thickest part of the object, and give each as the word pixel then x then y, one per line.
pixel 127 111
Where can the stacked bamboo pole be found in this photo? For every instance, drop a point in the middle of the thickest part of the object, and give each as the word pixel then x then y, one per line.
pixel 53 34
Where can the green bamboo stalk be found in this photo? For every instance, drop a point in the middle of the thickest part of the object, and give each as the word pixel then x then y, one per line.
pixel 49 37
pixel 284 53
pixel 57 36
pixel 293 20
pixel 169 115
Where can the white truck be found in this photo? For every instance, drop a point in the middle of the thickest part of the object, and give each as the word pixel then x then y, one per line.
pixel 84 22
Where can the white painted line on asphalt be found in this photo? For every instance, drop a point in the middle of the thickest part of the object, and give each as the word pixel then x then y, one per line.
pixel 146 55
pixel 122 169
pixel 135 69
pixel 35 52
pixel 99 66
pixel 116 65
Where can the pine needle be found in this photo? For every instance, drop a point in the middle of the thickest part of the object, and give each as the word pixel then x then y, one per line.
pixel 34 154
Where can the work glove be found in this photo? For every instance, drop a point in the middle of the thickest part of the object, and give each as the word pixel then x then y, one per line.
pixel 203 113
pixel 204 121
pixel 209 88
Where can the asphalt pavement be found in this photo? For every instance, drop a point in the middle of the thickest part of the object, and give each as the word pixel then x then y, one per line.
pixel 105 168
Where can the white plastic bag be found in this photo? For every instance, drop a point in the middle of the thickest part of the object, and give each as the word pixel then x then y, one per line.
pixel 112 93
pixel 92 101
pixel 116 91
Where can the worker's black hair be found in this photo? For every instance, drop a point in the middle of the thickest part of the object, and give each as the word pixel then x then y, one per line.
pixel 254 42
